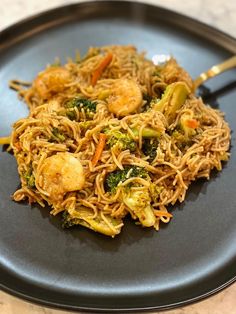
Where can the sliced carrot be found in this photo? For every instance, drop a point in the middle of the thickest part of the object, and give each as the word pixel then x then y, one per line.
pixel 99 148
pixel 192 123
pixel 161 213
pixel 101 67
pixel 17 145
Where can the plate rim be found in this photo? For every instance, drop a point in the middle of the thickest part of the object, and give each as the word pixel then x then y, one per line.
pixel 8 34
pixel 72 308
pixel 7 39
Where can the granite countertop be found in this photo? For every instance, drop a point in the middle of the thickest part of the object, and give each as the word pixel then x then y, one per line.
pixel 218 13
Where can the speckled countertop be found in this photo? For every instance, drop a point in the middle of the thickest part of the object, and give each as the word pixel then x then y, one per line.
pixel 218 13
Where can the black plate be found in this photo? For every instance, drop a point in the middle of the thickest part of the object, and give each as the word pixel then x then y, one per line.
pixel 195 255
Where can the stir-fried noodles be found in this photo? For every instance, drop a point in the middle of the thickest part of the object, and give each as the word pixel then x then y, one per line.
pixel 112 134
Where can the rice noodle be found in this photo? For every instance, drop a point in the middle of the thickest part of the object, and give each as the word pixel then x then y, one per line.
pixel 172 170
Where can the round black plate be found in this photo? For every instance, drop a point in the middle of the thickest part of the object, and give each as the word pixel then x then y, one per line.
pixel 195 255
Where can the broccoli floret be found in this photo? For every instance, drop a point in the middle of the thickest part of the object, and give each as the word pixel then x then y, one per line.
pixel 147 132
pixel 139 205
pixel 120 141
pixel 182 141
pixel 117 176
pixel 138 202
pixel 57 136
pixel 87 105
pixel 71 114
pixel 148 103
pixel 84 216
pixel 149 148
pixel 172 100
pixel 68 221
pixel 186 130
pixel 29 177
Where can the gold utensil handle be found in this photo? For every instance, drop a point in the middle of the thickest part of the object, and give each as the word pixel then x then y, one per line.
pixel 215 70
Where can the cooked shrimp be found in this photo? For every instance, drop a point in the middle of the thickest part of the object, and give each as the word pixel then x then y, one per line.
pixel 62 173
pixel 125 97
pixel 51 81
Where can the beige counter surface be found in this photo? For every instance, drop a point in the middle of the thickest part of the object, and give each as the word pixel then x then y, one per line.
pixel 218 13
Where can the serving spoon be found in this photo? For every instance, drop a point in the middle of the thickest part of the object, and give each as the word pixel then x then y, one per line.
pixel 213 71
pixel 210 73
